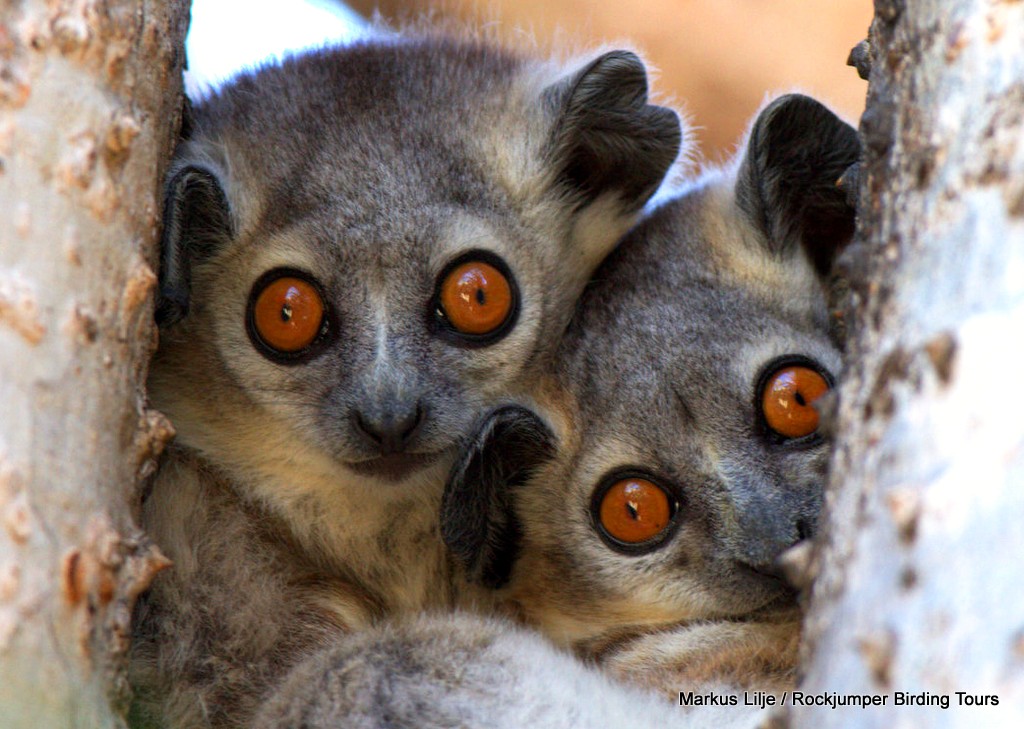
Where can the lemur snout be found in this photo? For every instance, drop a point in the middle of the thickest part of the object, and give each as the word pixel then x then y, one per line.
pixel 390 426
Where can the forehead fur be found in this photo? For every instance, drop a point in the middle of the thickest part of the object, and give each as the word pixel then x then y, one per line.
pixel 410 123
pixel 692 292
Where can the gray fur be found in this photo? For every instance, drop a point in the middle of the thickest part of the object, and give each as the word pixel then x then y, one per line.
pixel 658 374
pixel 369 168
pixel 465 672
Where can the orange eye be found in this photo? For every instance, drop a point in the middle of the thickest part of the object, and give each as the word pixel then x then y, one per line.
pixel 634 510
pixel 288 314
pixel 787 400
pixel 476 298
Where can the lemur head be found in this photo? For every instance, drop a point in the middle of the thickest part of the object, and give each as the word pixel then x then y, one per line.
pixel 366 246
pixel 677 451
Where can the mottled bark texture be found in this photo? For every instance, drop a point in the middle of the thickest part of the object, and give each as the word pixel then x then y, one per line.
pixel 921 584
pixel 90 93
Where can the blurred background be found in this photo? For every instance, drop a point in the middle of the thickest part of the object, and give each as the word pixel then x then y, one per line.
pixel 717 59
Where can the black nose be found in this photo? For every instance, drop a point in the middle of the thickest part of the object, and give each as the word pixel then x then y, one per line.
pixel 391 427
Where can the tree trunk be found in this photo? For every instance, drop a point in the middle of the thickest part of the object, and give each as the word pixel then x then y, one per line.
pixel 90 93
pixel 921 586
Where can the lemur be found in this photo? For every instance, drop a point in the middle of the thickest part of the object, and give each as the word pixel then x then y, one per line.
pixel 634 510
pixel 365 248
pixel 636 513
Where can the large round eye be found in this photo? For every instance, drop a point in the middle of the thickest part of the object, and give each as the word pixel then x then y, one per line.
pixel 634 510
pixel 787 400
pixel 476 298
pixel 287 314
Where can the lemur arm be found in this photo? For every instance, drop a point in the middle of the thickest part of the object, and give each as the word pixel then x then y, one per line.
pixel 469 672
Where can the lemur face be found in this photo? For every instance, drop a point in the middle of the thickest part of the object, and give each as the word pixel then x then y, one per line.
pixel 696 457
pixel 367 247
pixel 677 452
pixel 381 354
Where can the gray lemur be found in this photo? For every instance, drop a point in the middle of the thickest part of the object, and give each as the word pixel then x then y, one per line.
pixel 637 515
pixel 635 511
pixel 365 248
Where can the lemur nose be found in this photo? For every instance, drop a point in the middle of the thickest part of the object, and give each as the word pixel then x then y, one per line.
pixel 391 427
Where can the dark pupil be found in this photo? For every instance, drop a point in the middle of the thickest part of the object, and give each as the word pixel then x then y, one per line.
pixel 633 511
pixel 286 313
pixel 480 297
pixel 800 399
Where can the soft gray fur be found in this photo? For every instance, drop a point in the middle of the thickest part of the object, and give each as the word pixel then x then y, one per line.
pixel 368 168
pixel 658 376
pixel 466 672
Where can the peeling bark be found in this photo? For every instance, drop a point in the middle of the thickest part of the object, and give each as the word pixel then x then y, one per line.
pixel 90 93
pixel 921 585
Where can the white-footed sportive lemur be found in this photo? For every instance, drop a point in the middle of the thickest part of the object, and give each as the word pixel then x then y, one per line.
pixel 633 509
pixel 365 249
pixel 677 452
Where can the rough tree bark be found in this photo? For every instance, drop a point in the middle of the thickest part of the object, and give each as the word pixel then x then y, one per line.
pixel 921 587
pixel 90 93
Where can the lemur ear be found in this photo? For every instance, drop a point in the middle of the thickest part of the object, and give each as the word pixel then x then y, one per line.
pixel 478 521
pixel 607 137
pixel 788 180
pixel 197 220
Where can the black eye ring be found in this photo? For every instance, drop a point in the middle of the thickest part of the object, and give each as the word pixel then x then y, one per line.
pixel 761 425
pixel 675 501
pixel 437 321
pixel 323 336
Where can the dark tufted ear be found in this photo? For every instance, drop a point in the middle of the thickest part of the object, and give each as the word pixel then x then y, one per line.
pixel 608 138
pixel 789 178
pixel 197 220
pixel 478 520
